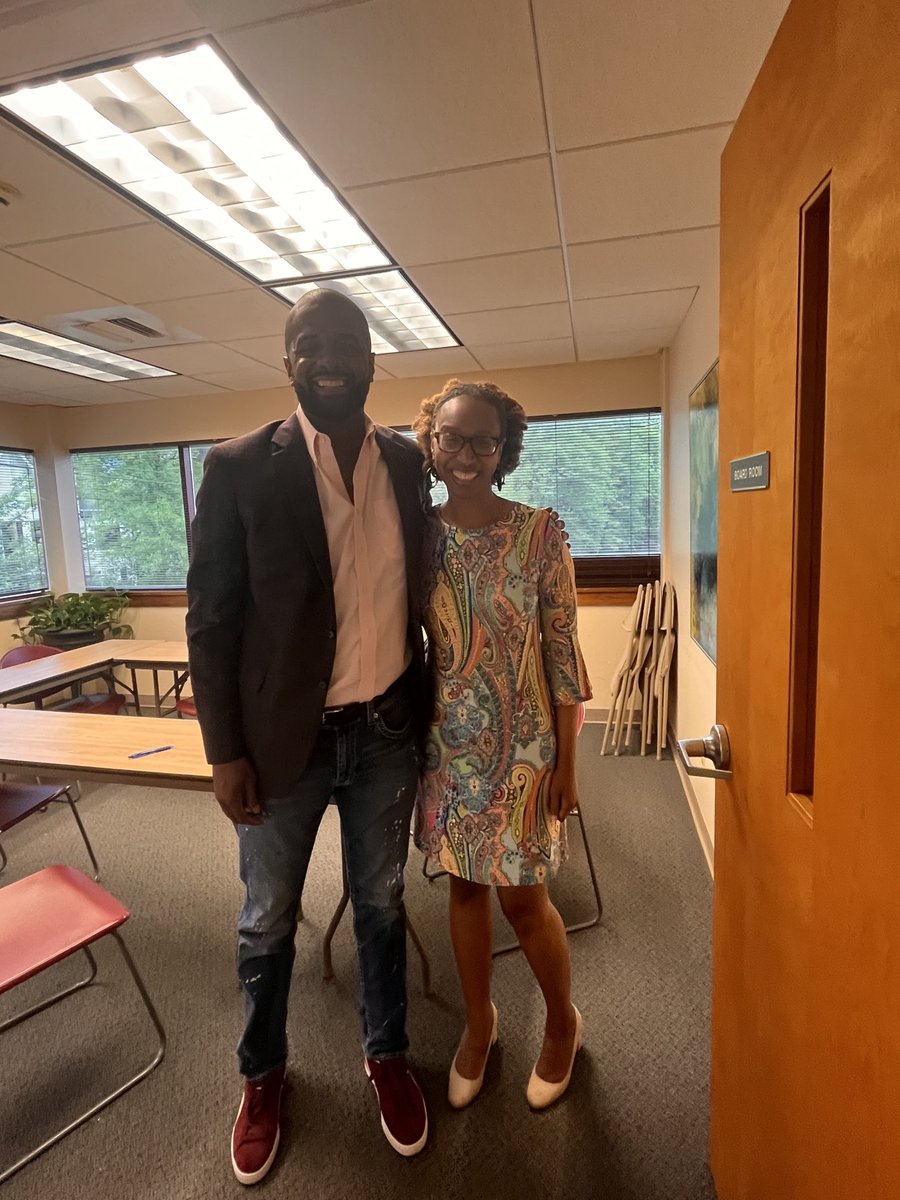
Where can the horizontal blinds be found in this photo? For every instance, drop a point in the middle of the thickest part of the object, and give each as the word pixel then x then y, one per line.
pixel 602 474
pixel 132 519
pixel 23 567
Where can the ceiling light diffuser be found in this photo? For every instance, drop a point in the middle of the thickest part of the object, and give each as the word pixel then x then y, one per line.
pixel 398 317
pixel 30 345
pixel 180 133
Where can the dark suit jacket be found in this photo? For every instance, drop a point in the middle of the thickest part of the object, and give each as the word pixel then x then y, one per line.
pixel 261 620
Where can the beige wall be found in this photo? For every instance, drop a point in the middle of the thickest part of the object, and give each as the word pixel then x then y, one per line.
pixel 52 432
pixel 693 707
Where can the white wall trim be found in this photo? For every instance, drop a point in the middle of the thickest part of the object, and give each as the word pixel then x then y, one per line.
pixel 699 823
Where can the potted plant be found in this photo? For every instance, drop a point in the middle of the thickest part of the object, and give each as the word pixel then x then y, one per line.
pixel 75 619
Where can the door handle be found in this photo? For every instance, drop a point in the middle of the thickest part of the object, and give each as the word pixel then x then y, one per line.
pixel 715 746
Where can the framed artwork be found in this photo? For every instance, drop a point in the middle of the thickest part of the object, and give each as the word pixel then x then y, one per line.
pixel 704 451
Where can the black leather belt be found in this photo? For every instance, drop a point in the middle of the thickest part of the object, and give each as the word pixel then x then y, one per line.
pixel 346 714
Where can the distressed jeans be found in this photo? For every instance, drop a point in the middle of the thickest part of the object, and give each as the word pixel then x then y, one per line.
pixel 370 768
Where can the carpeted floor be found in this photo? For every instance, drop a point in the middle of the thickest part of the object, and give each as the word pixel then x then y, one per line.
pixel 633 1126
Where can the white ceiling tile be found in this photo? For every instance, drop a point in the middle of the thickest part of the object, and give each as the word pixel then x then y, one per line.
pixel 536 323
pixel 526 354
pixel 60 32
pixel 650 186
pixel 268 350
pixel 226 14
pixel 27 290
pixel 500 281
pixel 255 377
pixel 623 345
pixel 138 265
pixel 415 363
pixel 645 310
pixel 467 214
pixel 227 316
pixel 174 385
pixel 57 199
pixel 36 399
pixel 400 88
pixel 198 358
pixel 644 264
pixel 667 65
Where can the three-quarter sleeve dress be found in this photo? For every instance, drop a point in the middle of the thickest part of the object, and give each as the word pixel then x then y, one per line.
pixel 501 622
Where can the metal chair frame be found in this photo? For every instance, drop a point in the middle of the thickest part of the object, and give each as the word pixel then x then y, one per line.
pixel 38 967
pixel 577 926
pixel 8 792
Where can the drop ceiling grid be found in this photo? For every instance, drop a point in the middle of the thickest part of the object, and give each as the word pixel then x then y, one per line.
pixel 436 138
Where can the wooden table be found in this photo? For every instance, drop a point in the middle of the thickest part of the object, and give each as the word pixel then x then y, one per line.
pixel 95 747
pixel 87 662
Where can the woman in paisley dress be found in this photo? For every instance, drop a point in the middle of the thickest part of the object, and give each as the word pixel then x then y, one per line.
pixel 499 774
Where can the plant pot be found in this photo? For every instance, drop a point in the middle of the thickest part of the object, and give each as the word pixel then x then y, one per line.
pixel 69 639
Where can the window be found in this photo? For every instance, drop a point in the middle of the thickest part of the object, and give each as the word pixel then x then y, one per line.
pixel 23 565
pixel 135 505
pixel 601 472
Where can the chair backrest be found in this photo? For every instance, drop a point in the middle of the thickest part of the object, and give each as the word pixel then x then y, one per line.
pixel 24 654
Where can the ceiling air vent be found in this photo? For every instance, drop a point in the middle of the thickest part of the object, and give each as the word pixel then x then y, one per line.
pixel 119 327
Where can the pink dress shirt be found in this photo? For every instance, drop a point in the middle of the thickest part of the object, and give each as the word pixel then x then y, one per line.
pixel 368 568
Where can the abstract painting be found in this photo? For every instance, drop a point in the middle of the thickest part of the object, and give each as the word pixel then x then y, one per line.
pixel 704 447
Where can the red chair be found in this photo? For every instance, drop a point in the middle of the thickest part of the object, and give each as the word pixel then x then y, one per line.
pixel 45 918
pixel 108 703
pixel 20 800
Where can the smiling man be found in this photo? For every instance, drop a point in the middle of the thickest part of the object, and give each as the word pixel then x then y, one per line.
pixel 307 665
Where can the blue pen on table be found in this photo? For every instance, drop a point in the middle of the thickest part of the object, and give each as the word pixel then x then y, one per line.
pixel 143 753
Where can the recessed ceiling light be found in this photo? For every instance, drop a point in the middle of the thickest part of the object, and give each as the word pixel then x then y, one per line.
pixel 398 317
pixel 180 133
pixel 31 345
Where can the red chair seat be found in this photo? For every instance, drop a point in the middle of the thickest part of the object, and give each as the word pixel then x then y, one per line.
pixel 48 916
pixel 186 707
pixel 45 918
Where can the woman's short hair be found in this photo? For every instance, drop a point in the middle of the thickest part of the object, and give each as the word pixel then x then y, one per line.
pixel 513 422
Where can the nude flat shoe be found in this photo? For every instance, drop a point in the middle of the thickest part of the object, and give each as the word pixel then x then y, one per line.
pixel 540 1093
pixel 461 1091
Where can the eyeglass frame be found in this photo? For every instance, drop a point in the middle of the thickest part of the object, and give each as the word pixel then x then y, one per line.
pixel 437 434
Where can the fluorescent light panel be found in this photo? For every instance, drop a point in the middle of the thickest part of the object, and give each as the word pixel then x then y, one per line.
pixel 27 344
pixel 398 317
pixel 181 134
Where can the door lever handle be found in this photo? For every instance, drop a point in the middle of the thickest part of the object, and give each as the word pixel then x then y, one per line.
pixel 715 746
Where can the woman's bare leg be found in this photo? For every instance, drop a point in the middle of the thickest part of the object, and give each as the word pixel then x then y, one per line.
pixel 542 936
pixel 471 931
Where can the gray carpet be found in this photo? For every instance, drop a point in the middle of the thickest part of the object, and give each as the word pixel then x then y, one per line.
pixel 633 1126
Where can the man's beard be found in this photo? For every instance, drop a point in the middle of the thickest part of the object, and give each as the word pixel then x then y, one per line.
pixel 331 410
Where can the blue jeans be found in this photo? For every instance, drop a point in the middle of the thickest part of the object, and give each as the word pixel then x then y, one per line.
pixel 370 768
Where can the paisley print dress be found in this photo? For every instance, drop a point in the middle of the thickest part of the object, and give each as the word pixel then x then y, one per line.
pixel 501 625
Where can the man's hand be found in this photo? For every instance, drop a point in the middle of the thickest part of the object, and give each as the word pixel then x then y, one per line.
pixel 563 796
pixel 234 784
pixel 562 525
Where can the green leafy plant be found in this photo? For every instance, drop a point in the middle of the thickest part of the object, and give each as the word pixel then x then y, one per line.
pixel 75 612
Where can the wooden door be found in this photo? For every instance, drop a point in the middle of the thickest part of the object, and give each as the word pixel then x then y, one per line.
pixel 806 956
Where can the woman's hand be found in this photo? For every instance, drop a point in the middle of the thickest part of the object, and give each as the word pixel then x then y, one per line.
pixel 563 791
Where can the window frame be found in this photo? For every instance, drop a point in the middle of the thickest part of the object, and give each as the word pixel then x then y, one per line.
pixel 606 580
pixel 17 604
pixel 144 597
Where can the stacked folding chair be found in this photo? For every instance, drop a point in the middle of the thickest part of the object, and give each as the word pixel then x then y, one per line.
pixel 642 673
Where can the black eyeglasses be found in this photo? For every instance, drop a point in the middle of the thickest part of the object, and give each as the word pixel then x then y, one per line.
pixel 451 443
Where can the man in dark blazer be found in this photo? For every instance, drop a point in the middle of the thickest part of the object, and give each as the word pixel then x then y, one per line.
pixel 307 667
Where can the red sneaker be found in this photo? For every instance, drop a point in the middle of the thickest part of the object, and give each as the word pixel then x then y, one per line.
pixel 404 1117
pixel 257 1130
